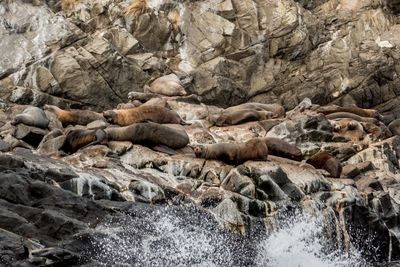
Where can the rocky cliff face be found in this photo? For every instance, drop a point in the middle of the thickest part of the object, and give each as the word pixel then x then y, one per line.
pixel 300 54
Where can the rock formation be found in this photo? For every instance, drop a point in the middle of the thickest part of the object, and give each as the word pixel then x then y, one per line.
pixel 303 55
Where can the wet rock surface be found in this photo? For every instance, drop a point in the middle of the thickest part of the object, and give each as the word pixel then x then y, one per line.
pixel 197 58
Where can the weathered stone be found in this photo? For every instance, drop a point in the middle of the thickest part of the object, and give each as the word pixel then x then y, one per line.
pixel 31 135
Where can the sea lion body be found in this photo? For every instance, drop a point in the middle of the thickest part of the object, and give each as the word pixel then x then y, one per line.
pixel 394 127
pixel 324 160
pixel 349 128
pixel 168 85
pixel 342 115
pixel 74 116
pixel 370 113
pixel 281 148
pixel 239 117
pixel 149 134
pixel 81 138
pixel 32 116
pixel 234 153
pixel 142 113
pixel 277 109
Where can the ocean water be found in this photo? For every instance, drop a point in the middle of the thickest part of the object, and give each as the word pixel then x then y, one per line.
pixel 188 236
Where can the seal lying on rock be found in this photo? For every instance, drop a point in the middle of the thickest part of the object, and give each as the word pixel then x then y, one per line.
pixel 242 116
pixel 74 116
pixel 125 117
pixel 234 153
pixel 168 85
pixel 349 128
pixel 150 134
pixel 394 127
pixel 371 113
pixel 324 160
pixel 280 148
pixel 81 138
pixel 32 116
pixel 248 112
pixel 342 115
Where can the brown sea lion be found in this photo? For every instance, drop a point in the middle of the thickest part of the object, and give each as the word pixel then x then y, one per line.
pixel 277 109
pixel 80 138
pixel 342 115
pixel 370 113
pixel 74 116
pixel 234 153
pixel 32 116
pixel 242 116
pixel 349 128
pixel 376 132
pixel 125 117
pixel 282 148
pixel 324 160
pixel 142 97
pixel 150 134
pixel 394 127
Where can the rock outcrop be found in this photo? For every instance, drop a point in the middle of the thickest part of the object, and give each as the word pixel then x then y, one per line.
pixel 214 54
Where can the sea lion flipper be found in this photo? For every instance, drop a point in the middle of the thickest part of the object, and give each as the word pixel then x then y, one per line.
pixel 164 149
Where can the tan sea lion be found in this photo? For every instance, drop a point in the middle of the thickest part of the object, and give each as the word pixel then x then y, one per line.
pixel 32 116
pixel 133 104
pixel 394 127
pixel 349 128
pixel 234 153
pixel 74 116
pixel 142 97
pixel 168 85
pixel 375 131
pixel 125 117
pixel 80 138
pixel 342 115
pixel 150 134
pixel 371 113
pixel 282 149
pixel 324 160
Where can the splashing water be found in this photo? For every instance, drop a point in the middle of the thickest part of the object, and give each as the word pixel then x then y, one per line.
pixel 188 236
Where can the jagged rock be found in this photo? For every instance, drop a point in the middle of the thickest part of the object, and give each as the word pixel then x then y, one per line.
pixel 4 147
pixel 146 192
pixel 31 135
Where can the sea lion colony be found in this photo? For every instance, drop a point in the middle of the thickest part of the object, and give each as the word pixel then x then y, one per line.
pixel 160 128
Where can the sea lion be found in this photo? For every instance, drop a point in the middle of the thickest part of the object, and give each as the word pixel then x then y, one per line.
pixel 74 116
pixel 242 116
pixel 234 153
pixel 168 85
pixel 370 113
pixel 349 128
pixel 125 117
pixel 150 134
pixel 324 160
pixel 342 115
pixel 277 109
pixel 132 104
pixel 394 127
pixel 376 132
pixel 142 97
pixel 80 138
pixel 32 116
pixel 282 149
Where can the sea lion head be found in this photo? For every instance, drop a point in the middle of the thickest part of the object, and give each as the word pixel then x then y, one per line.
pixel 336 126
pixel 352 125
pixel 110 116
pixel 198 151
pixel 49 108
pixel 222 120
